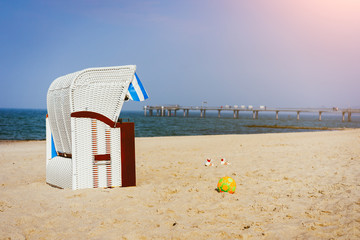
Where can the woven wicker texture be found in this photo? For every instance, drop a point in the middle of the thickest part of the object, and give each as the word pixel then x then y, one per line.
pixel 100 90
pixel 115 151
pixel 59 172
pixel 90 140
pixel 58 104
pixel 48 141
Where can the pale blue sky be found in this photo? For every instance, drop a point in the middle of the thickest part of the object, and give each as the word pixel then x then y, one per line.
pixel 279 53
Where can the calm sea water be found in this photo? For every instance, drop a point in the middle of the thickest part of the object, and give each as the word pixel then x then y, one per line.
pixel 29 124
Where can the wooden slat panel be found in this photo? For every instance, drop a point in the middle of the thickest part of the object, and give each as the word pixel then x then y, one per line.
pixel 128 171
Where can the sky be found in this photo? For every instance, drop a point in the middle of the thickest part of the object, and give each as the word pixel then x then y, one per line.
pixel 277 53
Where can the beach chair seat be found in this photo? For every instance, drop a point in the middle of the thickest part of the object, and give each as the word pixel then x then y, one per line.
pixel 86 145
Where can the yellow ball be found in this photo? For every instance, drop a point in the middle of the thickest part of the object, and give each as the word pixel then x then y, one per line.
pixel 227 184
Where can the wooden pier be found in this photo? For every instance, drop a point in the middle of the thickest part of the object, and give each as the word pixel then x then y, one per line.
pixel 171 110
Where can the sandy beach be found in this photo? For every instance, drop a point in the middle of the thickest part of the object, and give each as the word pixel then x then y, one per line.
pixel 289 186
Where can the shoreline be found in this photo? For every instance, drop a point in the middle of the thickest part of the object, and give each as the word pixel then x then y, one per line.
pixel 298 185
pixel 26 140
pixel 315 129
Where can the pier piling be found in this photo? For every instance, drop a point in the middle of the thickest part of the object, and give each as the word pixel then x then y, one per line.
pixel 202 113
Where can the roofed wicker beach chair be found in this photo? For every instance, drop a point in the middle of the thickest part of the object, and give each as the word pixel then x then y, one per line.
pixel 87 146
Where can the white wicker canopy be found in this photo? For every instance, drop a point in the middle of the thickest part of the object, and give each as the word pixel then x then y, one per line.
pixel 99 90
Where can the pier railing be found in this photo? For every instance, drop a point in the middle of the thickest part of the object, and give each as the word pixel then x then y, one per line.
pixel 167 110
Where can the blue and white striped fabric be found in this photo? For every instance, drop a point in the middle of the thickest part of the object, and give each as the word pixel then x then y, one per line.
pixel 136 91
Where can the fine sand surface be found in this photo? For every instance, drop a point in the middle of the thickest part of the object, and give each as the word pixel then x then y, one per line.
pixel 289 186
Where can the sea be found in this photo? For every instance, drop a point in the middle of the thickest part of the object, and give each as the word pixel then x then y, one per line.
pixel 29 124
